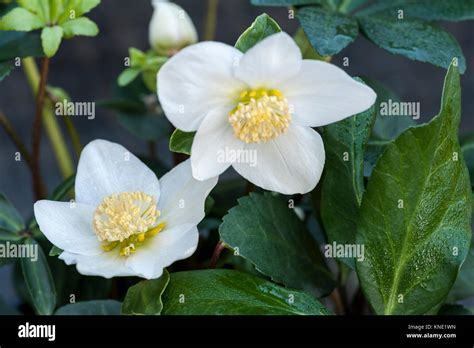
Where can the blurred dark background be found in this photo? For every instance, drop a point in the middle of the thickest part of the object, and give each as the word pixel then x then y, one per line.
pixel 87 68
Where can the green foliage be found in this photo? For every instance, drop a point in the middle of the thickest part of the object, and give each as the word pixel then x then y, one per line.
pixel 144 298
pixel 415 224
pixel 10 219
pixel 328 32
pixel 262 27
pixel 226 292
pixel 98 307
pixel 58 19
pixel 266 231
pixel 343 184
pixel 39 281
pixel 401 27
pixel 181 142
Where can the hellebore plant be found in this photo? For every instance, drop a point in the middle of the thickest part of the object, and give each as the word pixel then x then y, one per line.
pixel 265 101
pixel 125 221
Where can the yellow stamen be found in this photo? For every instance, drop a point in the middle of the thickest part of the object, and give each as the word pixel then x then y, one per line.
pixel 261 115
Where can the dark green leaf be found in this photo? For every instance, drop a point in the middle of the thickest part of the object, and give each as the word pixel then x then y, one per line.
pixel 181 142
pixel 468 153
pixel 262 27
pixel 5 247
pixel 427 10
pixel 63 189
pixel 15 44
pixel 227 292
pixel 343 184
pixel 39 281
pixel 415 217
pixel 267 232
pixel 464 286
pixel 328 32
pixel 55 251
pixel 100 307
pixel 5 69
pixel 413 39
pixel 10 218
pixel 145 297
pixel 455 310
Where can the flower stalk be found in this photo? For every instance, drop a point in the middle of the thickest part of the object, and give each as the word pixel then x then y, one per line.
pixel 49 121
pixel 211 20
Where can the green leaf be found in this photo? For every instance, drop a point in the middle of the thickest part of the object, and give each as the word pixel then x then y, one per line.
pixel 413 39
pixel 20 19
pixel 144 298
pixel 464 286
pixel 415 217
pixel 77 8
pixel 127 76
pixel 307 50
pixel 79 26
pixel 427 10
pixel 227 292
pixel 468 153
pixel 343 184
pixel 262 27
pixel 55 251
pixel 5 69
pixel 181 142
pixel 5 245
pixel 63 189
pixel 328 32
pixel 15 44
pixel 98 307
pixel 455 310
pixel 39 281
pixel 10 218
pixel 51 39
pixel 268 233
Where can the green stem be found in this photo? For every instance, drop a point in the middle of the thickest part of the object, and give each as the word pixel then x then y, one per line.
pixel 50 122
pixel 15 138
pixel 211 20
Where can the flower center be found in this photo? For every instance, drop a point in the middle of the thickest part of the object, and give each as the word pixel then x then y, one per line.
pixel 261 115
pixel 126 219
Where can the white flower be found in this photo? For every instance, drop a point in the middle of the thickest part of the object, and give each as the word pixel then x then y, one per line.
pixel 171 28
pixel 261 104
pixel 124 221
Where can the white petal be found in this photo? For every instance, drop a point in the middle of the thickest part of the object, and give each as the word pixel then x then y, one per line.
pixel 67 226
pixel 291 163
pixel 197 80
pixel 271 61
pixel 106 264
pixel 322 93
pixel 164 249
pixel 213 140
pixel 105 168
pixel 182 196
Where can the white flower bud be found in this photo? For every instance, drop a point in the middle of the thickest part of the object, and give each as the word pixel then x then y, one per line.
pixel 171 28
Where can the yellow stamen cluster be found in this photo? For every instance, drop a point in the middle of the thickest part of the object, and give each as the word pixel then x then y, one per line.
pixel 261 115
pixel 126 220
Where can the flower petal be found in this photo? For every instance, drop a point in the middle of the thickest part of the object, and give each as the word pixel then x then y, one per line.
pixel 214 138
pixel 271 61
pixel 68 226
pixel 197 80
pixel 182 196
pixel 291 163
pixel 171 245
pixel 105 264
pixel 105 168
pixel 322 93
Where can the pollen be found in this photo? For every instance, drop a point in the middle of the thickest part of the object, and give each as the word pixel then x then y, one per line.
pixel 126 220
pixel 261 115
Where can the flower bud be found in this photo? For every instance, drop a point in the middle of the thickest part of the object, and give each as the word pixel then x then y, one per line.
pixel 171 28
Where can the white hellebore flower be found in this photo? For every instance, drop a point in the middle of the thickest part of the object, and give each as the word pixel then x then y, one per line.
pixel 124 221
pixel 171 28
pixel 255 111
